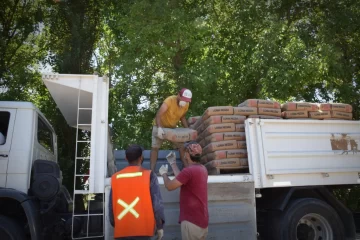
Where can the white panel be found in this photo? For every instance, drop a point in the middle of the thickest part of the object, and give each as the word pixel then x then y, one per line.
pixel 311 179
pixel 19 182
pixel 99 131
pixel 5 148
pixel 293 152
pixel 254 149
pixel 20 158
pixel 64 89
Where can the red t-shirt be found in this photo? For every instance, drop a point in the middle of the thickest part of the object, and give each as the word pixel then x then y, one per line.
pixel 193 195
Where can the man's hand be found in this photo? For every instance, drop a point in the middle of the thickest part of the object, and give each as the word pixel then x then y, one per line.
pixel 160 234
pixel 163 169
pixel 171 158
pixel 160 133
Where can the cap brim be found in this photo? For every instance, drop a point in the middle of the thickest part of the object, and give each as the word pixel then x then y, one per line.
pixel 186 144
pixel 185 99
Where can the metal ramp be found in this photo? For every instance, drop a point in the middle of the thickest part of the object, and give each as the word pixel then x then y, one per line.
pixel 83 101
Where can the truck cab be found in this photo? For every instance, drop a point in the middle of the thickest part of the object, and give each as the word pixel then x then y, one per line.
pixel 28 137
pixel 30 178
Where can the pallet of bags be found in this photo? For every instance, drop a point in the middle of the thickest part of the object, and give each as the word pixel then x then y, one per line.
pixel 221 133
pixel 259 108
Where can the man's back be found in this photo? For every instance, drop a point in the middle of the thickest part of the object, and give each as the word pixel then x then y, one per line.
pixel 193 195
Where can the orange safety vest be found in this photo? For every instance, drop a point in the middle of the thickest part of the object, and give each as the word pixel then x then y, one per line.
pixel 132 204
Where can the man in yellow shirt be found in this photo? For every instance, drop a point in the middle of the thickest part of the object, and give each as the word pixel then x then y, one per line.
pixel 170 113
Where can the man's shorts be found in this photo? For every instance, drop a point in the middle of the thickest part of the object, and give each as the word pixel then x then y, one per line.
pixel 190 231
pixel 157 142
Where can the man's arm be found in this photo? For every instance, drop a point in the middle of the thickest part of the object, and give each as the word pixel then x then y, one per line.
pixel 175 169
pixel 184 122
pixel 171 184
pixel 157 202
pixel 111 211
pixel 164 107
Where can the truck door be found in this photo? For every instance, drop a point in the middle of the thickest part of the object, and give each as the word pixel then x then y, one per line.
pixel 7 120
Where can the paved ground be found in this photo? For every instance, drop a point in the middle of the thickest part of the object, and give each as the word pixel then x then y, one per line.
pixel 358 236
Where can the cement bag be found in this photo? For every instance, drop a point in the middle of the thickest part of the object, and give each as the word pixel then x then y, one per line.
pixel 297 106
pixel 202 143
pixel 240 127
pixel 222 127
pixel 192 120
pixel 341 107
pixel 217 137
pixel 325 106
pixel 341 115
pixel 270 111
pixel 180 134
pixel 200 128
pixel 264 117
pixel 224 119
pixel 295 114
pixel 241 145
pixel 236 153
pixel 227 163
pixel 245 111
pixel 197 123
pixel 223 145
pixel 320 114
pixel 260 103
pixel 221 110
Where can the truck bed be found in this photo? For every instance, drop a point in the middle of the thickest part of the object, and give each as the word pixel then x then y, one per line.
pixel 284 153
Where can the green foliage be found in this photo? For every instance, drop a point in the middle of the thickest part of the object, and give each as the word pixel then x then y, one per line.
pixel 224 51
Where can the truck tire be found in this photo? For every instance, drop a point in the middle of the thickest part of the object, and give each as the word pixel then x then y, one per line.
pixel 308 219
pixel 10 230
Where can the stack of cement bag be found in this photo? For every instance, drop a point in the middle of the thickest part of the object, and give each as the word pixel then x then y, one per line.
pixel 299 110
pixel 322 111
pixel 221 133
pixel 258 108
pixel 333 111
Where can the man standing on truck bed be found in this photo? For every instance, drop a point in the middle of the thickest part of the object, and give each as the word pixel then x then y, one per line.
pixel 170 113
pixel 194 216
pixel 136 205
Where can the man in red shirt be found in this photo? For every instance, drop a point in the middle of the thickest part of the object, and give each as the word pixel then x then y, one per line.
pixel 194 216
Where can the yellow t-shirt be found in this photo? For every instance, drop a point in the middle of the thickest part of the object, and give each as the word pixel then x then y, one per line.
pixel 173 114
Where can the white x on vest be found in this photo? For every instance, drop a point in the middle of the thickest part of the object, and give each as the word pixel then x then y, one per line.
pixel 128 208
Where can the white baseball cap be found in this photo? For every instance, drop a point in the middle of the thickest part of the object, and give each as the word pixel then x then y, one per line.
pixel 185 95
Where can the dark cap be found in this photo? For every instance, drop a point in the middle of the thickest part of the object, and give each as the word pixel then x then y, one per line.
pixel 133 152
pixel 193 147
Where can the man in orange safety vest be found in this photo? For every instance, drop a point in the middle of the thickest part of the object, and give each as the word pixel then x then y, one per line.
pixel 136 206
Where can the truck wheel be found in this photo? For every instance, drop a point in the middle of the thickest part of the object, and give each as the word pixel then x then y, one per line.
pixel 10 230
pixel 309 219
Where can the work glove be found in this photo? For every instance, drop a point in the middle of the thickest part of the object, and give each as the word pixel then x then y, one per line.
pixel 160 234
pixel 163 169
pixel 171 158
pixel 160 133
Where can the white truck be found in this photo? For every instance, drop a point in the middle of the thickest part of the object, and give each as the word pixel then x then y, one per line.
pixel 293 165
